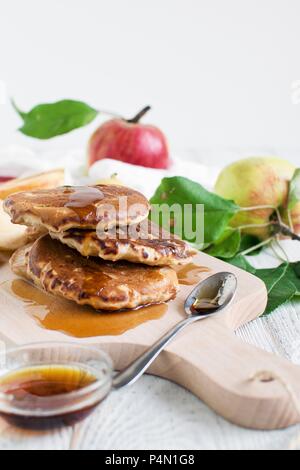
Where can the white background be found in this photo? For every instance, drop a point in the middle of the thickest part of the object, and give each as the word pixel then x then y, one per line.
pixel 218 73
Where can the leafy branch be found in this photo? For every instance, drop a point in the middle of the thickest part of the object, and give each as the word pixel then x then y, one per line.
pixel 49 120
pixel 231 243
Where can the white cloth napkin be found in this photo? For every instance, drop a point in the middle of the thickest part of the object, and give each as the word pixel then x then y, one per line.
pixel 145 180
pixel 22 161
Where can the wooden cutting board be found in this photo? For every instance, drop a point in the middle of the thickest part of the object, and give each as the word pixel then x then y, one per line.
pixel 207 359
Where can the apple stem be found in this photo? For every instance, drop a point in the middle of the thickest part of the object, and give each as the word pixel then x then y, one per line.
pixel 139 115
pixel 263 207
pixel 291 224
pixel 253 226
pixel 286 231
pixel 256 247
pixel 254 208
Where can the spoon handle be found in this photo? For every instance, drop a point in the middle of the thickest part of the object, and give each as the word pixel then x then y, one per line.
pixel 134 371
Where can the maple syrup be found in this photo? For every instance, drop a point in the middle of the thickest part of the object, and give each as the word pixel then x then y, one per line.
pixel 205 305
pixel 44 381
pixel 190 274
pixel 51 395
pixel 4 257
pixel 82 200
pixel 34 386
pixel 54 313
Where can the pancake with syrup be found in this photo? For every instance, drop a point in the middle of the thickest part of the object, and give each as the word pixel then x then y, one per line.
pixel 83 207
pixel 103 285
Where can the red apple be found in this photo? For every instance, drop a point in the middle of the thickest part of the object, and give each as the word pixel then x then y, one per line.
pixel 131 142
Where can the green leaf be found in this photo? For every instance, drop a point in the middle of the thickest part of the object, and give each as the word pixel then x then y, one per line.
pixel 241 262
pixel 232 243
pixel 227 246
pixel 217 211
pixel 294 193
pixel 50 120
pixel 280 286
pixel 282 283
pixel 296 268
pixel 249 241
pixel 295 276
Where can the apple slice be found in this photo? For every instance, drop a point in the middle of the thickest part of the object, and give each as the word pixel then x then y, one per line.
pixel 46 180
pixel 14 236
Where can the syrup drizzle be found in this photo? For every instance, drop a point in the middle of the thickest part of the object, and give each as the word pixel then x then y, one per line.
pixel 82 199
pixel 190 274
pixel 53 313
pixel 82 196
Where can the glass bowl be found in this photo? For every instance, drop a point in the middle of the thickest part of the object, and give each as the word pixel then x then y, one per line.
pixel 42 412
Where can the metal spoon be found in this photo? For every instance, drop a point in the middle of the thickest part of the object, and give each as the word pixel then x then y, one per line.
pixel 208 299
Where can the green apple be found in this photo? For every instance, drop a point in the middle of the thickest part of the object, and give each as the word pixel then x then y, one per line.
pixel 260 182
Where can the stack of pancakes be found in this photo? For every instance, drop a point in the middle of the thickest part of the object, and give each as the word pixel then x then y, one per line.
pixel 95 251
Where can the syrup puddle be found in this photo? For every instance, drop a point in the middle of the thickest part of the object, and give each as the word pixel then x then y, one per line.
pixel 4 258
pixel 53 313
pixel 57 314
pixel 190 274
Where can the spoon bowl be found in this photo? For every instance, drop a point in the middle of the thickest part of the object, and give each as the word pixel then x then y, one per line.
pixel 212 295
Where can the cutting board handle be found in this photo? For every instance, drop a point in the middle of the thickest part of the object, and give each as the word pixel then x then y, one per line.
pixel 244 384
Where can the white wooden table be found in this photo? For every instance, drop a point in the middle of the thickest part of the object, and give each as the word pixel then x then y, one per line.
pixel 156 414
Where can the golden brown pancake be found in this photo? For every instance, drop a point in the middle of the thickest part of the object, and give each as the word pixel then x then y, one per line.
pixel 143 243
pixel 101 284
pixel 84 207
